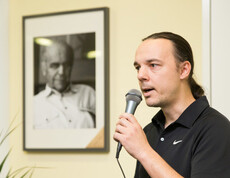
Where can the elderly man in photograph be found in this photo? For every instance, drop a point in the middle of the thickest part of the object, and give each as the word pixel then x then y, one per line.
pixel 62 105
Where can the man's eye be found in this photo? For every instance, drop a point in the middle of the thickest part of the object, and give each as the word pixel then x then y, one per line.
pixel 137 67
pixel 154 65
pixel 54 65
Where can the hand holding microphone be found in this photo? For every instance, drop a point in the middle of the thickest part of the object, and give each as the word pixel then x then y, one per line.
pixel 133 98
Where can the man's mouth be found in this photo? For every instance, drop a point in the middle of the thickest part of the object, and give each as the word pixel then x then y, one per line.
pixel 147 90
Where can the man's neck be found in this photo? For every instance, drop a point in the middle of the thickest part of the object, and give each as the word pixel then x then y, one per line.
pixel 54 91
pixel 173 111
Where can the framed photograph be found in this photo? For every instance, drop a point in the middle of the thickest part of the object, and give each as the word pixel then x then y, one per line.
pixel 66 81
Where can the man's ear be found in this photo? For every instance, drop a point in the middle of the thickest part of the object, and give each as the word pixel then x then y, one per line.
pixel 43 68
pixel 185 69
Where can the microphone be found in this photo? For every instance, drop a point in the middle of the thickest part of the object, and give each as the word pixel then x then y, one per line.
pixel 133 99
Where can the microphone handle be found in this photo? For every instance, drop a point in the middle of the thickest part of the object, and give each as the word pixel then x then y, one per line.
pixel 119 146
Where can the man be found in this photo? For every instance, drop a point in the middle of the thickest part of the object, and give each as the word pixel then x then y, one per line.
pixel 62 104
pixel 186 138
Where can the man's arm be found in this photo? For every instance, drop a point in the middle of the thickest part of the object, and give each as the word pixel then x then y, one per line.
pixel 130 134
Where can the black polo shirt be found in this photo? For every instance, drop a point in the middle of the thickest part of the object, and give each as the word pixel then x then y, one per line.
pixel 196 145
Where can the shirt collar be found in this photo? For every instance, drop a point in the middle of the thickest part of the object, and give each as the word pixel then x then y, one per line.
pixel 188 117
pixel 49 91
pixel 159 119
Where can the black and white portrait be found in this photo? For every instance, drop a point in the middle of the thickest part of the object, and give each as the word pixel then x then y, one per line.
pixel 64 81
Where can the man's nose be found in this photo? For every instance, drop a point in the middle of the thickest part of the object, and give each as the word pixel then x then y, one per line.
pixel 61 69
pixel 142 74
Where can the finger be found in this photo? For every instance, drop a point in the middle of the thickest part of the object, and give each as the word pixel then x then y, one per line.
pixel 123 122
pixel 129 117
pixel 119 128
pixel 116 136
pixel 119 135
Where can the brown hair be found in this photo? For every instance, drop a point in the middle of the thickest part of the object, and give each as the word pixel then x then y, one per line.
pixel 182 52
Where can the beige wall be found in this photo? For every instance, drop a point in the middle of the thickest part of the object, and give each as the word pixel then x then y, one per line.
pixel 4 80
pixel 130 21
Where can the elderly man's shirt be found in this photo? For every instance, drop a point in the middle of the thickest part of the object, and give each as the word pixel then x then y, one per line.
pixel 74 108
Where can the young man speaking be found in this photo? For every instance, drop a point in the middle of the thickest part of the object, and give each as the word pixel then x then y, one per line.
pixel 186 138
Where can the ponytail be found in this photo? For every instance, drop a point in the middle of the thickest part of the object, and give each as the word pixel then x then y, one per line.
pixel 197 90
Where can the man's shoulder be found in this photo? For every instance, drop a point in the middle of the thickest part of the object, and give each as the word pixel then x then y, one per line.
pixel 211 116
pixel 212 123
pixel 40 95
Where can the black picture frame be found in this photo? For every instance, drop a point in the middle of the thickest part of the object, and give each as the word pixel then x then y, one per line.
pixel 88 28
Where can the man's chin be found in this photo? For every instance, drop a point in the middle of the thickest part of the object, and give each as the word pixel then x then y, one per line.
pixel 152 103
pixel 61 88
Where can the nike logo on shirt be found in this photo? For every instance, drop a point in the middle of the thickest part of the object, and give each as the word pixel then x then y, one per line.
pixel 176 142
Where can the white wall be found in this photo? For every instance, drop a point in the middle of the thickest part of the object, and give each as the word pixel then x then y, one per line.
pixel 216 47
pixel 4 77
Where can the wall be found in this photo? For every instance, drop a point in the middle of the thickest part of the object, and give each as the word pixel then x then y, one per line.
pixel 215 44
pixel 130 21
pixel 4 80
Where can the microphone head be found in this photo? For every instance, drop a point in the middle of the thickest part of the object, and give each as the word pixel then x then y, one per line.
pixel 134 95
